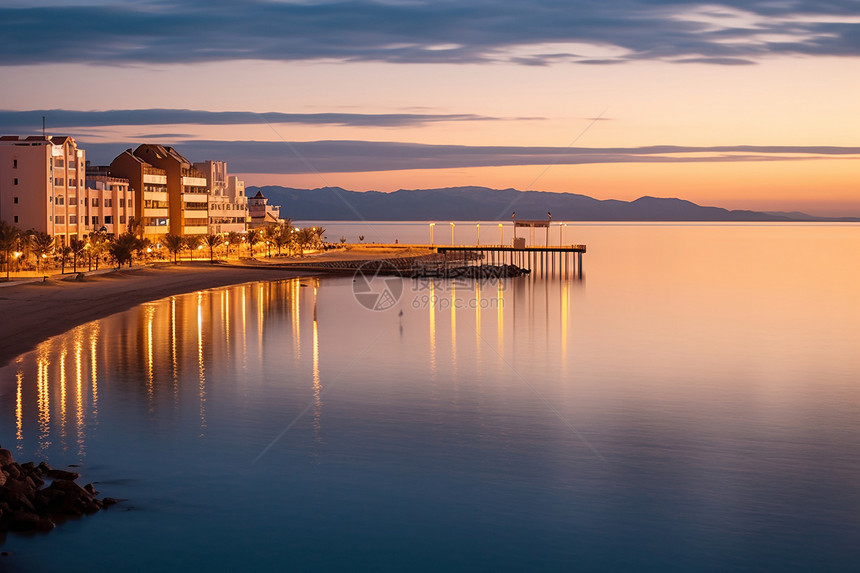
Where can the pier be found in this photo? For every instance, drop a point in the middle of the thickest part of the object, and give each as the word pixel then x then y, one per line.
pixel 560 261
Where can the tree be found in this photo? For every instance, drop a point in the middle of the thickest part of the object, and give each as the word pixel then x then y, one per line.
pixel 174 244
pixel 318 236
pixel 76 247
pixel 42 245
pixel 284 236
pixel 270 234
pixel 212 241
pixel 305 237
pixel 98 245
pixel 122 248
pixel 65 251
pixel 192 242
pixel 253 237
pixel 233 238
pixel 10 236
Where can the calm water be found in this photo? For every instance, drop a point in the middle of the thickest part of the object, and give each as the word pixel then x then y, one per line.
pixel 692 404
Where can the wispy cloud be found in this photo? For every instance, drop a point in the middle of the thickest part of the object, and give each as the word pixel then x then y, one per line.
pixel 725 32
pixel 11 121
pixel 366 156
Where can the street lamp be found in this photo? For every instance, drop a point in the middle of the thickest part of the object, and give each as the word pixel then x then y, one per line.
pixel 452 233
pixel 432 225
pixel 478 227
pixel 501 235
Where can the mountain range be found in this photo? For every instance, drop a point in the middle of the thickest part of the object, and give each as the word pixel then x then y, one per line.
pixel 485 204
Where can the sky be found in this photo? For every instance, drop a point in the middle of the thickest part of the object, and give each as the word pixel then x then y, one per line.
pixel 738 104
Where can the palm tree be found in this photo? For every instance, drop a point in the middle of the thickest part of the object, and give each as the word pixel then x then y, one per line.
pixel 98 244
pixel 42 245
pixel 305 237
pixel 76 247
pixel 10 236
pixel 284 236
pixel 319 232
pixel 192 242
pixel 65 251
pixel 212 241
pixel 174 244
pixel 233 238
pixel 270 233
pixel 122 248
pixel 253 237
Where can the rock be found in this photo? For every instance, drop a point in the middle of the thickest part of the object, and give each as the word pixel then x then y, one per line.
pixel 6 457
pixel 109 501
pixel 62 475
pixel 90 489
pixel 28 467
pixel 13 470
pixel 23 521
pixel 45 468
pixel 3 478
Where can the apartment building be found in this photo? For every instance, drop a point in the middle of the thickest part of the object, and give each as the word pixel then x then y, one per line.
pixel 187 190
pixel 109 203
pixel 42 184
pixel 149 184
pixel 228 208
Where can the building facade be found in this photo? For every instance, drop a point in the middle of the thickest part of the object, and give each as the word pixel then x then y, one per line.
pixel 149 184
pixel 42 185
pixel 109 205
pixel 228 211
pixel 187 190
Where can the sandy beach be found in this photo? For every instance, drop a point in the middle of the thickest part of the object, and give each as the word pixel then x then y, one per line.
pixel 33 312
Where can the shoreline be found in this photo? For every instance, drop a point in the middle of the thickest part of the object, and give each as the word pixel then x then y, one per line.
pixel 34 312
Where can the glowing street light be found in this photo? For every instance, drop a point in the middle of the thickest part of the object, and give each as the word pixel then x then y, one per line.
pixel 501 235
pixel 432 225
pixel 452 233
pixel 478 227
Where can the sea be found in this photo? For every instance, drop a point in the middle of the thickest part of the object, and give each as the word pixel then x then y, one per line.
pixel 689 402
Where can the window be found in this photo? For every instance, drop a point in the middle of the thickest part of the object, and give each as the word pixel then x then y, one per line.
pixel 122 219
pixel 121 202
pixel 15 200
pixel 95 202
pixel 59 181
pixel 131 203
pixel 60 162
pixel 16 218
pixel 61 220
pixel 61 200
pixel 14 164
pixel 95 221
pixel 16 181
pixel 73 219
pixel 108 202
pixel 73 183
pixel 108 220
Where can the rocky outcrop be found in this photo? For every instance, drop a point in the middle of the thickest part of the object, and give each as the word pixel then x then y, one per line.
pixel 26 505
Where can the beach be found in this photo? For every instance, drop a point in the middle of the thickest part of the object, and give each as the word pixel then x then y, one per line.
pixel 35 311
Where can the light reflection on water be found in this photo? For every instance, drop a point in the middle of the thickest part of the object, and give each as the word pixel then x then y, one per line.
pixel 681 409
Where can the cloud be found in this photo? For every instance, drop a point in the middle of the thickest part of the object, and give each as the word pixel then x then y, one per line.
pixel 11 121
pixel 722 32
pixel 366 156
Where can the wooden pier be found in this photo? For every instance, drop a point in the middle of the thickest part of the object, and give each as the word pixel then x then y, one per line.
pixel 560 261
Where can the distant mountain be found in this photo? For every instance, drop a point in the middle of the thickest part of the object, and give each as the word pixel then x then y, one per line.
pixel 484 204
